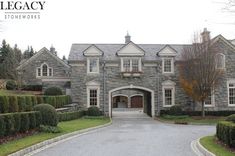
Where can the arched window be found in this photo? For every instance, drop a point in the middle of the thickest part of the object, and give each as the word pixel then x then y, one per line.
pixel 220 61
pixel 44 70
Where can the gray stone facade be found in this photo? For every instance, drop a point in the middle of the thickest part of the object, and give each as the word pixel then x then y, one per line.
pixel 151 81
pixel 60 70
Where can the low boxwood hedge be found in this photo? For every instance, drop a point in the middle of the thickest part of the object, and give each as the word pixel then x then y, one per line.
pixel 225 131
pixel 199 113
pixel 67 116
pixel 11 123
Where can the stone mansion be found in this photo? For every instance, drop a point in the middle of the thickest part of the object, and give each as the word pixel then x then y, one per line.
pixel 129 75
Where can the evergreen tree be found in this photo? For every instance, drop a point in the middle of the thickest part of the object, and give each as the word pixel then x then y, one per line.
pixel 18 54
pixel 31 51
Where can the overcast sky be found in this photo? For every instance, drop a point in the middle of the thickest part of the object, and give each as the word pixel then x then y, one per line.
pixel 64 22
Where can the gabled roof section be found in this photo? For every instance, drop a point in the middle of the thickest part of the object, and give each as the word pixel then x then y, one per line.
pixel 93 50
pixel 131 49
pixel 167 51
pixel 220 37
pixel 44 49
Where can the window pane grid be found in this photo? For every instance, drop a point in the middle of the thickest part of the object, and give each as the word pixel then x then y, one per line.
pixel 135 65
pixel 93 97
pixel 167 65
pixel 168 96
pixel 126 65
pixel 93 65
pixel 208 100
pixel 231 95
pixel 44 70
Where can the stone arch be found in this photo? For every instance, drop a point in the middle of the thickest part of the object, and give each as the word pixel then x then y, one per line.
pixel 132 87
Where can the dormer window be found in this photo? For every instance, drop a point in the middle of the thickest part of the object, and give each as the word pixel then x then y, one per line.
pixel 220 61
pixel 131 65
pixel 167 65
pixel 92 65
pixel 44 71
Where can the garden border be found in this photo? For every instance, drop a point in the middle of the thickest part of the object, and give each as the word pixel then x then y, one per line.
pixel 52 142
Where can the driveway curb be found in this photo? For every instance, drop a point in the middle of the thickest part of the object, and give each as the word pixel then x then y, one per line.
pixel 199 149
pixel 51 142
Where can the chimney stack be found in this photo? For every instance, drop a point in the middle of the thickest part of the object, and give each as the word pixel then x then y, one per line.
pixel 127 38
pixel 52 50
pixel 205 35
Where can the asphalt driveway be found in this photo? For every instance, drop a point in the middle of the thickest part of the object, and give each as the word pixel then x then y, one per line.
pixel 133 134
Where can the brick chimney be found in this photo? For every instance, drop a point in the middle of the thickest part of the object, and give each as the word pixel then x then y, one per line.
pixel 205 35
pixel 127 38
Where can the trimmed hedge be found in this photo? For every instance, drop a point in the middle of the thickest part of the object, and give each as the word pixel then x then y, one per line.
pixel 32 87
pixel 56 101
pixel 13 104
pixel 199 113
pixel 4 104
pixel 231 118
pixel 12 123
pixel 11 85
pixel 48 114
pixel 53 91
pixel 93 111
pixel 22 103
pixel 175 110
pixel 225 132
pixel 67 116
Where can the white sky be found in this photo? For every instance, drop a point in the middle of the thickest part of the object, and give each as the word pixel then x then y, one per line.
pixel 64 22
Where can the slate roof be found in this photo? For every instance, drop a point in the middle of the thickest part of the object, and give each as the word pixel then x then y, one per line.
pixel 110 50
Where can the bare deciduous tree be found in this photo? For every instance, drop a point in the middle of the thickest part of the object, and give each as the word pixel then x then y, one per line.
pixel 198 73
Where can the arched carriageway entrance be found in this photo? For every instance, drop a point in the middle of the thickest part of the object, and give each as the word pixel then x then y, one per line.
pixel 132 97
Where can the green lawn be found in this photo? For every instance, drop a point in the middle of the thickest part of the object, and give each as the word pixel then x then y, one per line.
pixel 16 92
pixel 210 144
pixel 191 120
pixel 67 127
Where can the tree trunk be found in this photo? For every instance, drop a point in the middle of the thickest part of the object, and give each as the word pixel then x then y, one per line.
pixel 203 109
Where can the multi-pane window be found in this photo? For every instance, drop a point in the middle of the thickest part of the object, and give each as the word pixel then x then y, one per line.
pixel 220 61
pixel 135 65
pixel 44 70
pixel 93 65
pixel 127 65
pixel 167 65
pixel 131 65
pixel 231 93
pixel 168 97
pixel 39 71
pixel 93 97
pixel 209 100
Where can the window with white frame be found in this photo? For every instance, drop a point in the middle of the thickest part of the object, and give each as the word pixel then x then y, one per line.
pixel 126 65
pixel 167 65
pixel 93 65
pixel 231 93
pixel 93 96
pixel 44 71
pixel 168 90
pixel 209 101
pixel 220 61
pixel 131 64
